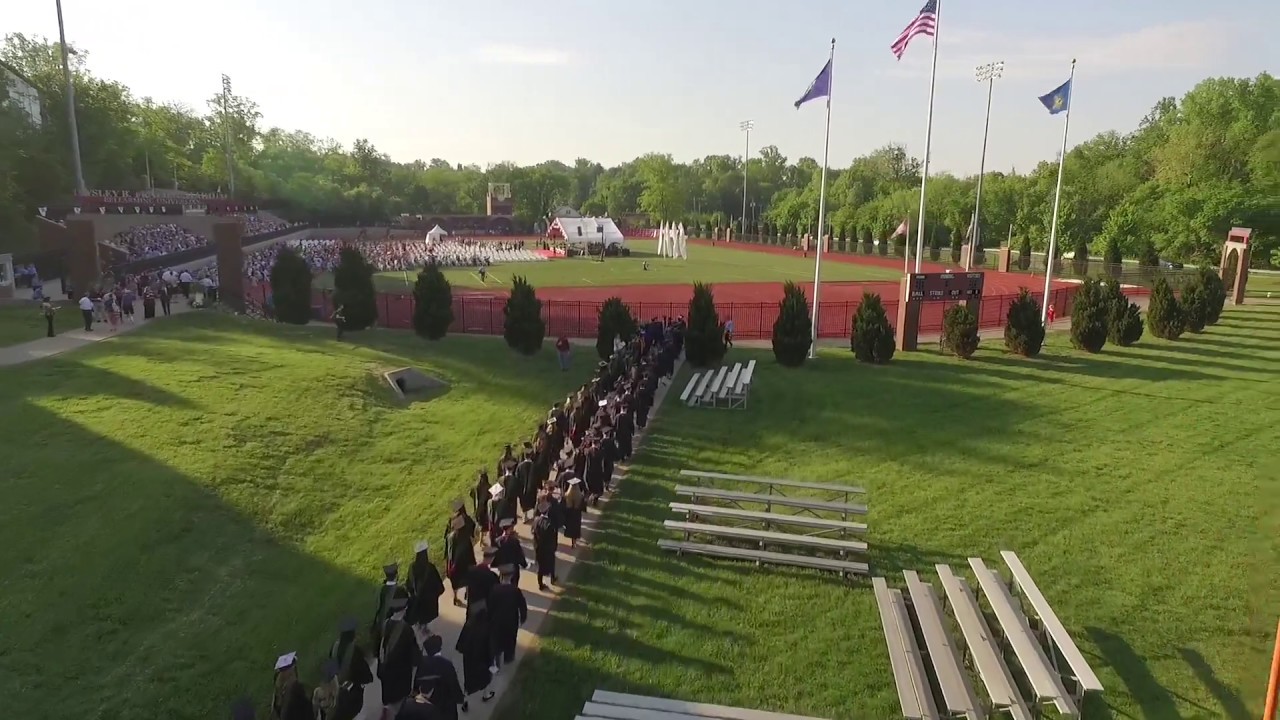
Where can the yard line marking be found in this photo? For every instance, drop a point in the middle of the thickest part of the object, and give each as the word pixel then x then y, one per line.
pixel 588 281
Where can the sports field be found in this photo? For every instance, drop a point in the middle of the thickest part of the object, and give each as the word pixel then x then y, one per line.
pixel 184 503
pixel 1138 486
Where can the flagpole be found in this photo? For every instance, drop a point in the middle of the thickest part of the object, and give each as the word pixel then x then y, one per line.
pixel 906 248
pixel 822 208
pixel 928 135
pixel 1057 198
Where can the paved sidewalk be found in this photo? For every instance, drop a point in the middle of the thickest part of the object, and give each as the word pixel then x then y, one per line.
pixel 75 339
pixel 540 602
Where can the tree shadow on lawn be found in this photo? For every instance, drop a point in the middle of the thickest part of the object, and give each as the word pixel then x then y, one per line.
pixel 179 602
pixel 1232 705
pixel 72 376
pixel 1184 354
pixel 1216 340
pixel 1093 366
pixel 1154 700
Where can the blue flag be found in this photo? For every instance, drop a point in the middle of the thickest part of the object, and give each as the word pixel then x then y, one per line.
pixel 819 88
pixel 1058 100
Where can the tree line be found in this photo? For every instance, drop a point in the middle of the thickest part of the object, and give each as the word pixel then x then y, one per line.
pixel 1193 168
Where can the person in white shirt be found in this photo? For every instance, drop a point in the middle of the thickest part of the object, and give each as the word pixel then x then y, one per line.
pixel 86 309
pixel 184 281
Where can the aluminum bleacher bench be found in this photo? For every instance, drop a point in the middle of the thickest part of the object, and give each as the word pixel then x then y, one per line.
pixel 775 482
pixel 713 390
pixel 688 389
pixel 768 520
pixel 696 397
pixel 845 509
pixel 844 567
pixel 765 537
pixel 948 664
pixel 730 382
pixel 905 658
pixel 602 700
pixel 737 396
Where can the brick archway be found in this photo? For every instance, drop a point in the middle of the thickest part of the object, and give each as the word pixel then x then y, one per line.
pixel 1237 241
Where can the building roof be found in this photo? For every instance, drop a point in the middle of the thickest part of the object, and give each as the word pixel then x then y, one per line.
pixel 18 74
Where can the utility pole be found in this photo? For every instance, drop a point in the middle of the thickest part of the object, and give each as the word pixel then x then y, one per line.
pixel 745 126
pixel 988 74
pixel 81 189
pixel 226 132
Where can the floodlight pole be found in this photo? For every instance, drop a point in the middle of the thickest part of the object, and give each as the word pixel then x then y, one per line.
pixel 985 73
pixel 745 126
pixel 226 130
pixel 81 189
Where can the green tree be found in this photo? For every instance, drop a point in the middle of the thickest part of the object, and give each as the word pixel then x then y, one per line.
pixel 1023 330
pixel 960 331
pixel 1024 254
pixel 1080 258
pixel 704 344
pixel 957 244
pixel 1114 260
pixel 353 289
pixel 1124 318
pixel 615 321
pixel 432 303
pixel 291 287
pixel 1089 312
pixel 1195 305
pixel 523 326
pixel 873 339
pixel 1215 294
pixel 1165 317
pixel 792 330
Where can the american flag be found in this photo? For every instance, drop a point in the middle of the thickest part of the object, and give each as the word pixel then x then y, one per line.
pixel 926 23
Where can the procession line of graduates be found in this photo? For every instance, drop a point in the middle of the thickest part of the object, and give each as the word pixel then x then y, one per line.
pixel 564 469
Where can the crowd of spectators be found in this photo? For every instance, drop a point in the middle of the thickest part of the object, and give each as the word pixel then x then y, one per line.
pixel 255 225
pixel 321 254
pixel 149 241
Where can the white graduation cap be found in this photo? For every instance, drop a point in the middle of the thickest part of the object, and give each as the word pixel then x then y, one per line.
pixel 495 490
pixel 421 546
pixel 286 660
pixel 602 403
pixel 575 480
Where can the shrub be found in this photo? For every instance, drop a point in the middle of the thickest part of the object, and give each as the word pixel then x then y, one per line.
pixel 1089 317
pixel 1216 292
pixel 523 327
pixel 615 321
pixel 1149 259
pixel 1195 306
pixel 1080 258
pixel 1023 331
pixel 792 329
pixel 868 243
pixel 1124 319
pixel 1164 313
pixel 432 303
pixel 291 287
pixel 960 331
pixel 704 338
pixel 1024 254
pixel 353 289
pixel 1114 260
pixel 883 247
pixel 872 340
pixel 957 245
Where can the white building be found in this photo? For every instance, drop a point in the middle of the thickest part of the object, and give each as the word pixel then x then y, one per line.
pixel 22 94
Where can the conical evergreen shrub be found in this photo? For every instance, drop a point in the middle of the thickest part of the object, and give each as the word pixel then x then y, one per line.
pixel 1195 305
pixel 1216 294
pixel 1164 312
pixel 1023 331
pixel 523 327
pixel 1149 260
pixel 432 303
pixel 872 340
pixel 615 321
pixel 1089 317
pixel 960 331
pixel 1124 319
pixel 291 287
pixel 792 330
pixel 704 338
pixel 353 289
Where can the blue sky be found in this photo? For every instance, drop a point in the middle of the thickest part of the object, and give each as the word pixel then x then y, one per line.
pixel 490 80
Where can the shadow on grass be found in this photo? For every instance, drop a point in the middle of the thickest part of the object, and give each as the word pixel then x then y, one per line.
pixel 1153 698
pixel 69 376
pixel 1232 705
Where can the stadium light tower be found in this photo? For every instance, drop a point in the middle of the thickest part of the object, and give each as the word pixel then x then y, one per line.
pixel 984 73
pixel 745 126
pixel 226 131
pixel 71 105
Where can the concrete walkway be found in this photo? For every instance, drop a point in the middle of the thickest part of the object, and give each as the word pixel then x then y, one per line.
pixel 449 624
pixel 75 339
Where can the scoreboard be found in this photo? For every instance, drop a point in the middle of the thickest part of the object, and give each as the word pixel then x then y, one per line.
pixel 946 286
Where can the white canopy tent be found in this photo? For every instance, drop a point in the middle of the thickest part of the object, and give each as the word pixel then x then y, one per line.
pixel 436 233
pixel 581 231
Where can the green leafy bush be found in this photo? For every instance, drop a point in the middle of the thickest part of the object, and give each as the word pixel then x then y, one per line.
pixel 291 287
pixel 1216 295
pixel 523 327
pixel 1089 317
pixel 1195 306
pixel 432 303
pixel 1164 313
pixel 704 338
pixel 960 331
pixel 872 340
pixel 615 321
pixel 792 330
pixel 1023 331
pixel 1124 319
pixel 353 289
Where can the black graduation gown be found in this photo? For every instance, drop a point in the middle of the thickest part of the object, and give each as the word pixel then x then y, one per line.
pixel 477 651
pixel 480 580
pixel 595 478
pixel 510 552
pixel 461 556
pixel 624 428
pixel 291 702
pixel 480 501
pixel 508 610
pixel 353 675
pixel 526 485
pixel 382 611
pixel 447 694
pixel 414 710
pixel 425 587
pixel 397 662
pixel 545 539
pixel 571 516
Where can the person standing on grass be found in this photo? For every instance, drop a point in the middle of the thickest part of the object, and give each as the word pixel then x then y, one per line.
pixel 112 307
pixel 728 332
pixel 562 352
pixel 480 499
pixel 340 319
pixel 47 309
pixel 483 272
pixel 166 298
pixel 127 298
pixel 86 309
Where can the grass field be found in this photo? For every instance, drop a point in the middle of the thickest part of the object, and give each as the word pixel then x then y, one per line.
pixel 1263 285
pixel 22 321
pixel 1139 487
pixel 184 503
pixel 705 264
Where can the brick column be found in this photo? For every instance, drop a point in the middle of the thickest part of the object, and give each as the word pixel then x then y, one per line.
pixel 83 263
pixel 227 236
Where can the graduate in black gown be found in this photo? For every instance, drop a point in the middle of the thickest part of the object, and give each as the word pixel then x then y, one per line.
pixel 508 610
pixel 460 555
pixel 594 477
pixel 480 499
pixel 572 505
pixel 545 538
pixel 508 551
pixel 481 579
pixel 398 656
pixel 353 672
pixel 391 573
pixel 477 652
pixel 500 508
pixel 525 482
pixel 420 705
pixel 425 587
pixel 446 691
pixel 290 700
pixel 624 429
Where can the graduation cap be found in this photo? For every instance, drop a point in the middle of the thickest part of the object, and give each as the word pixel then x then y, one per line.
pixel 286 660
pixel 331 669
pixel 457 504
pixel 433 644
pixel 506 523
pixel 242 709
pixel 575 480
pixel 391 571
pixel 496 489
pixel 602 403
pixel 348 624
pixel 421 547
pixel 457 523
pixel 544 507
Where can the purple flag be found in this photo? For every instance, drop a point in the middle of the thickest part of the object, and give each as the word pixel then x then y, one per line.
pixel 819 88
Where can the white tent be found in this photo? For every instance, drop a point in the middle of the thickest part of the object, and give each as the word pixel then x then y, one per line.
pixel 662 240
pixel 581 231
pixel 682 244
pixel 436 233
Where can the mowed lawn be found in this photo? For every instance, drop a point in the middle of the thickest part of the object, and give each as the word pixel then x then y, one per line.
pixel 185 503
pixel 1140 488
pixel 1263 285
pixel 705 264
pixel 22 321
